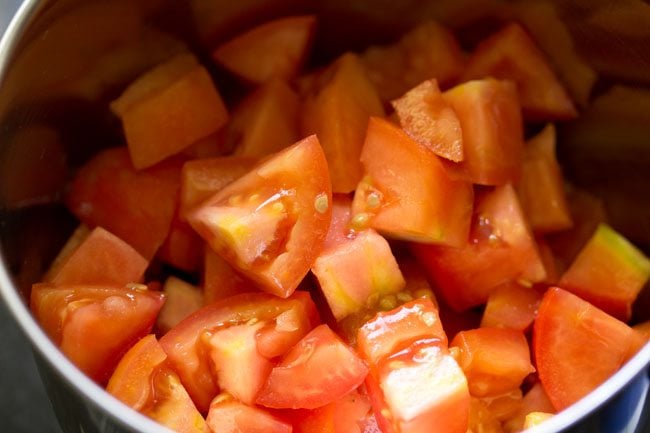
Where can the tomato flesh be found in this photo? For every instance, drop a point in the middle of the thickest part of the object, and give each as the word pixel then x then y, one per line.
pixel 231 416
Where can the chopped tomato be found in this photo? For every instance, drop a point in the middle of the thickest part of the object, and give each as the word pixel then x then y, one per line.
pixel 270 224
pixel 494 360
pixel 168 109
pixel 535 400
pixel 490 121
pixel 95 325
pixel 510 54
pixel 406 192
pixel 337 111
pixel 501 248
pixel 392 331
pixel 511 305
pixel 340 230
pixel 182 247
pixel 145 381
pixel 609 273
pixel 577 346
pixel 230 416
pixel 265 122
pixel 341 416
pixel 108 192
pixel 541 188
pixel 643 328
pixel 481 419
pixel 188 343
pixel 357 272
pixel 202 178
pixel 504 406
pixel 99 258
pixel 273 49
pixel 220 280
pixel 320 369
pixel 428 51
pixel 428 119
pixel 182 299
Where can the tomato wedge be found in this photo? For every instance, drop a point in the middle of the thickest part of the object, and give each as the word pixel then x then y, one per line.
pixel 95 325
pixel 341 416
pixel 188 343
pixel 230 416
pixel 145 381
pixel 270 224
pixel 320 369
pixel 577 346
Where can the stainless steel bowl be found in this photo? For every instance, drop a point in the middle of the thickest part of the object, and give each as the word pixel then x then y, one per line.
pixel 61 61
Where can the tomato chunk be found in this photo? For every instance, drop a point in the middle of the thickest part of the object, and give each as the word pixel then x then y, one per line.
pixel 541 187
pixel 145 381
pixel 230 416
pixel 577 346
pixel 95 325
pixel 108 192
pixel 511 305
pixel 609 273
pixel 182 299
pixel 274 49
pixel 494 360
pixel 168 109
pixel 220 280
pixel 510 54
pixel 501 248
pixel 187 344
pixel 492 130
pixel 429 120
pixel 182 247
pixel 270 224
pixel 337 111
pixel 406 193
pixel 100 258
pixel 356 272
pixel 341 416
pixel 318 370
pixel 535 400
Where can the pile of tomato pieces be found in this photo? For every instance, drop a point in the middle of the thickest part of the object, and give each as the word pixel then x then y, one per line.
pixel 369 247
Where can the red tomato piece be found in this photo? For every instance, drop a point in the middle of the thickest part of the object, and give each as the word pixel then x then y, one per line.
pixel 187 344
pixel 504 406
pixel 95 325
pixel 202 178
pixel 511 306
pixel 337 111
pixel 340 230
pixel 181 300
pixel 340 416
pixel 265 122
pixel 108 192
pixel 270 224
pixel 577 346
pixel 100 258
pixel 428 119
pixel 274 49
pixel 501 249
pixel 494 360
pixel 231 416
pixel 182 247
pixel 424 390
pixel 168 109
pixel 609 273
pixel 241 369
pixel 541 187
pixel 220 280
pixel 490 120
pixel 406 193
pixel 145 381
pixel 428 51
pixel 318 370
pixel 392 331
pixel 481 418
pixel 535 400
pixel 510 54
pixel 357 271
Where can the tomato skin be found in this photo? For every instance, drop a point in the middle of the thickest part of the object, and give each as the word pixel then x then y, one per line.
pixel 501 248
pixel 108 192
pixel 101 258
pixel 231 416
pixel 187 345
pixel 144 381
pixel 275 49
pixel 295 179
pixel 318 370
pixel 577 346
pixel 494 360
pixel 94 325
